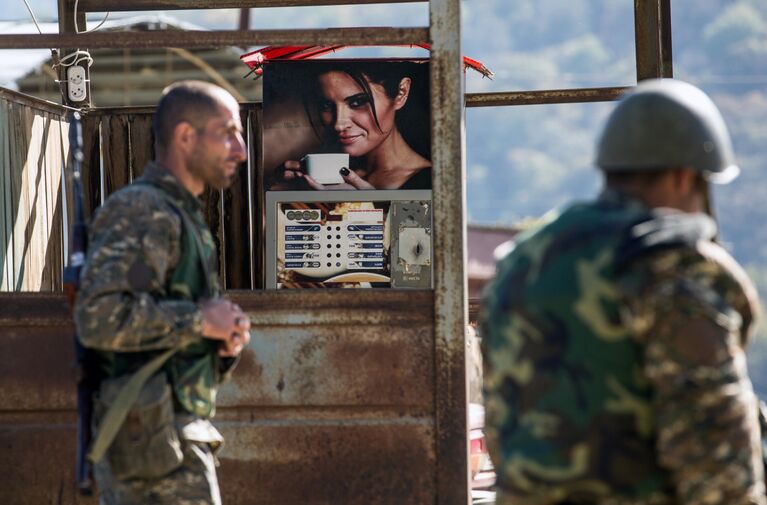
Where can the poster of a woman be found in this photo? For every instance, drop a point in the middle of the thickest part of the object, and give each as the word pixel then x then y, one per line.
pixel 347 124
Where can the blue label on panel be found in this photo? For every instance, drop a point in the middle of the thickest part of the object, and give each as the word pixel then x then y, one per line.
pixel 302 264
pixel 294 247
pixel 374 245
pixel 366 227
pixel 366 255
pixel 371 264
pixel 360 236
pixel 302 228
pixel 300 237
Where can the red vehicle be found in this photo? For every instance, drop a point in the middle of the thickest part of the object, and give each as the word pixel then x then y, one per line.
pixel 481 468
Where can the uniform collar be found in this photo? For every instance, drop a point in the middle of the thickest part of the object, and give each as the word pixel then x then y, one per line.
pixel 164 179
pixel 614 197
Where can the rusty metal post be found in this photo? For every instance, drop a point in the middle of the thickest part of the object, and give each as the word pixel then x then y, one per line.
pixel 665 39
pixel 449 200
pixel 652 31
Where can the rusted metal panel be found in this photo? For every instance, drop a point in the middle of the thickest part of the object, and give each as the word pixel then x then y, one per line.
pixel 552 96
pixel 333 401
pixel 146 5
pixel 200 38
pixel 365 461
pixel 449 199
pixel 37 465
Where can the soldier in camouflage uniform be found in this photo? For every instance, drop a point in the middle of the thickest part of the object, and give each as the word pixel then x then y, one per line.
pixel 614 333
pixel 150 286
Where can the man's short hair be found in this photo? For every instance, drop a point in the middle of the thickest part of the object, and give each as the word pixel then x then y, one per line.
pixel 185 101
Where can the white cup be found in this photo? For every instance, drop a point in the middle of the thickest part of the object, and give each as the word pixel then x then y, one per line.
pixel 325 167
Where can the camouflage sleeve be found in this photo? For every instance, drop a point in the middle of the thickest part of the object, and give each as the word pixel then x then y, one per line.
pixel 135 241
pixel 708 433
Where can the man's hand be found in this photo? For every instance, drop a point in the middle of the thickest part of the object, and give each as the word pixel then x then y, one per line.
pixel 225 321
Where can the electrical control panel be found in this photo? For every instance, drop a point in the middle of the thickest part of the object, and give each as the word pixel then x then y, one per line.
pixel 349 239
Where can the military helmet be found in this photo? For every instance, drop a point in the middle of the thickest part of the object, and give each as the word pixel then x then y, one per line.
pixel 664 124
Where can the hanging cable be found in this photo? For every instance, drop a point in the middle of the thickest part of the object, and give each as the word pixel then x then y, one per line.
pixel 77 29
pixel 34 19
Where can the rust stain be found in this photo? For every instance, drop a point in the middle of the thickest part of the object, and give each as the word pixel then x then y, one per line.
pixel 319 411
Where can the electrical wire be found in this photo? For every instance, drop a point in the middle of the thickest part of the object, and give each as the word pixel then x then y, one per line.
pixel 34 19
pixel 76 58
pixel 77 29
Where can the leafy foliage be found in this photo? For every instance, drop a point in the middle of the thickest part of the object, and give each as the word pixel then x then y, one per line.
pixel 523 161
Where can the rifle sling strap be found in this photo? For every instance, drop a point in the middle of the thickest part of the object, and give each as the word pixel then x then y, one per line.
pixel 115 415
pixel 118 411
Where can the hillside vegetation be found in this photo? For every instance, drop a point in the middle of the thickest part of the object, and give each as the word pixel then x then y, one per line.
pixel 523 161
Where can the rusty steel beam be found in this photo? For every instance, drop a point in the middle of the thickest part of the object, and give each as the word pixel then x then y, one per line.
pixel 652 31
pixel 450 286
pixel 149 5
pixel 666 51
pixel 188 39
pixel 551 96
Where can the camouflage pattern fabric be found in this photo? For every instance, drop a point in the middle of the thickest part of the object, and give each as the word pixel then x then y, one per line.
pixel 138 298
pixel 139 291
pixel 613 345
pixel 194 483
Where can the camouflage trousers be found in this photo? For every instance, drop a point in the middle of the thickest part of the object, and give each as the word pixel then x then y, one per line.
pixel 194 483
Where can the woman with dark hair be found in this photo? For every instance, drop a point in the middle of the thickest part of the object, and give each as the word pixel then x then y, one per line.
pixel 361 109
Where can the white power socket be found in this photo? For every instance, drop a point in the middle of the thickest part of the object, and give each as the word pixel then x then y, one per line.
pixel 76 89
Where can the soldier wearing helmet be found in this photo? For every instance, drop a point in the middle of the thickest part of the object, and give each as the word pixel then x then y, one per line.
pixel 614 333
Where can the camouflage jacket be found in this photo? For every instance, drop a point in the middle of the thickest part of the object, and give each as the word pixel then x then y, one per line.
pixel 613 342
pixel 140 287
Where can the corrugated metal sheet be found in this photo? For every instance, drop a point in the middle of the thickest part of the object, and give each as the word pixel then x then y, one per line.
pixel 33 150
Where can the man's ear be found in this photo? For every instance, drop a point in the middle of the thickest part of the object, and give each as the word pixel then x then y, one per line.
pixel 185 136
pixel 403 90
pixel 684 180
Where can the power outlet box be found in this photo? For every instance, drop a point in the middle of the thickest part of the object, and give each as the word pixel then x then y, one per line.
pixel 76 83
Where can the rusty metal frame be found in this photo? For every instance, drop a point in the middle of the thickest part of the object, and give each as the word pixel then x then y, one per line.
pixel 652 32
pixel 221 38
pixel 578 95
pixel 450 285
pixel 146 5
